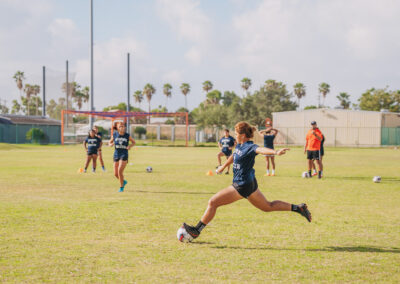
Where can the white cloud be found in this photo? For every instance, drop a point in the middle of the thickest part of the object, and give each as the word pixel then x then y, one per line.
pixel 174 77
pixel 193 55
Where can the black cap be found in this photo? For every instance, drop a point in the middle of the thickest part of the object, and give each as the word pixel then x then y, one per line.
pixel 313 122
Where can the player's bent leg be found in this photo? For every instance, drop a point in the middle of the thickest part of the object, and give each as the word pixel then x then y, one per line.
pixel 224 197
pixel 219 155
pixel 116 165
pixel 121 168
pixel 259 201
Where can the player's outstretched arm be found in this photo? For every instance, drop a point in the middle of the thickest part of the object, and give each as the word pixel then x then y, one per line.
pixel 227 163
pixel 267 151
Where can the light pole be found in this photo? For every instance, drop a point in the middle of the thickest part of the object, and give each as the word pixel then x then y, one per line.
pixel 91 63
pixel 128 106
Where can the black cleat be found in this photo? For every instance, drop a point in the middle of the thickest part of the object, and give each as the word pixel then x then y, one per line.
pixel 303 210
pixel 227 173
pixel 191 230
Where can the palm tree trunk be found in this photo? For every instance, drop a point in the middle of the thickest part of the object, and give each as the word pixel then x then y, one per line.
pixel 186 102
pixel 37 105
pixel 148 119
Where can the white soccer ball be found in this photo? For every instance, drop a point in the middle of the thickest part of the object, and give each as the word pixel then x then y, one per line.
pixel 183 236
pixel 149 169
pixel 305 175
pixel 377 179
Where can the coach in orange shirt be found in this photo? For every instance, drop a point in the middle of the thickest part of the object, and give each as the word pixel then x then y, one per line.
pixel 313 148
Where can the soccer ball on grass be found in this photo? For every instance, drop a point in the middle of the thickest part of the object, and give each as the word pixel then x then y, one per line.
pixel 305 175
pixel 149 169
pixel 183 236
pixel 377 179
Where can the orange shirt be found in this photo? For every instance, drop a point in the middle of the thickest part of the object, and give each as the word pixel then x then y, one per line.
pixel 313 144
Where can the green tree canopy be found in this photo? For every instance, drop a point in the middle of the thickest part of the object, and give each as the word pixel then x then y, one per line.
pixel 377 99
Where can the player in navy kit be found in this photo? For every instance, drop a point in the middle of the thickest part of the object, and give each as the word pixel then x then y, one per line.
pixel 269 135
pixel 226 145
pixel 99 152
pixel 244 182
pixel 91 144
pixel 120 141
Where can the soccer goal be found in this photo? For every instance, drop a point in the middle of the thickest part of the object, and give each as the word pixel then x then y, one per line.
pixel 149 128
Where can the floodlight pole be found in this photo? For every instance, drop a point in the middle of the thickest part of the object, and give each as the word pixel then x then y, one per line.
pixel 91 63
pixel 66 87
pixel 44 90
pixel 128 106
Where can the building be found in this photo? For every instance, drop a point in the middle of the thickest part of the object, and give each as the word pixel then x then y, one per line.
pixel 13 128
pixel 352 128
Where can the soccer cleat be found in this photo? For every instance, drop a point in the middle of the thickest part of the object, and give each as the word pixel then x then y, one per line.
pixel 104 169
pixel 314 174
pixel 125 182
pixel 192 231
pixel 85 171
pixel 227 173
pixel 121 189
pixel 303 210
pixel 272 175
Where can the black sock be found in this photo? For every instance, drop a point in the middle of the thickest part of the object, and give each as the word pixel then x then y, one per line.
pixel 200 226
pixel 295 208
pixel 309 173
pixel 319 174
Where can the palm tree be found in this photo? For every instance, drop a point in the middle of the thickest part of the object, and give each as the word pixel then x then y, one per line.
pixel 36 91
pixel 28 89
pixel 81 96
pixel 271 84
pixel 207 86
pixel 299 91
pixel 167 92
pixel 149 91
pixel 344 100
pixel 185 89
pixel 323 89
pixel 138 96
pixel 246 84
pixel 19 77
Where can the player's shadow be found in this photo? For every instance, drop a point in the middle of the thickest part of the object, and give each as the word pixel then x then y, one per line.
pixel 173 192
pixel 325 249
pixel 350 178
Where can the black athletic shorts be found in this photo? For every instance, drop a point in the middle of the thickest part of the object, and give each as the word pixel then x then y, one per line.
pixel 92 152
pixel 313 155
pixel 247 189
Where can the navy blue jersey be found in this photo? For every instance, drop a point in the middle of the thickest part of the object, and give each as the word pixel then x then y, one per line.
pixel 121 143
pixel 243 162
pixel 99 135
pixel 226 143
pixel 269 141
pixel 92 143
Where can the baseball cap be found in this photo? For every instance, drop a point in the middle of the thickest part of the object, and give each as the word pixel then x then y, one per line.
pixel 313 122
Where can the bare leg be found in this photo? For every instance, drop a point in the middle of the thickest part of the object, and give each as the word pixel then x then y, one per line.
pixel 313 166
pixel 121 168
pixel 116 165
pixel 319 165
pixel 267 162
pixel 94 157
pixel 101 158
pixel 225 196
pixel 88 158
pixel 229 165
pixel 258 200
pixel 220 154
pixel 310 164
pixel 273 162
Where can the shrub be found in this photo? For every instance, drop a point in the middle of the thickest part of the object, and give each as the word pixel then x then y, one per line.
pixel 36 135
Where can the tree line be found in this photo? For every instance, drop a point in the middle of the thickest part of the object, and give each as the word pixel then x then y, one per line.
pixel 218 109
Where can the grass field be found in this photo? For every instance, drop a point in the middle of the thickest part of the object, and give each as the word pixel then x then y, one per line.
pixel 60 226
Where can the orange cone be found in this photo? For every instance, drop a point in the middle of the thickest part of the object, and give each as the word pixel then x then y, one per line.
pixel 80 170
pixel 209 173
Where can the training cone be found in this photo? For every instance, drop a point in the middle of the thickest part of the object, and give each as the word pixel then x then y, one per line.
pixel 80 170
pixel 209 173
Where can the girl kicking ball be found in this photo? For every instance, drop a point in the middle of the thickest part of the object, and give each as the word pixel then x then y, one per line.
pixel 91 144
pixel 120 141
pixel 244 182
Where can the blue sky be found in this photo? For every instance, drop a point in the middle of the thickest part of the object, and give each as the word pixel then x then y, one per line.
pixel 352 45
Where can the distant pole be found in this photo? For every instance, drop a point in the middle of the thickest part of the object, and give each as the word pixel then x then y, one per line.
pixel 128 106
pixel 44 90
pixel 91 63
pixel 66 87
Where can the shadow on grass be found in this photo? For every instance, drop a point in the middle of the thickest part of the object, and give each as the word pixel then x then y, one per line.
pixel 174 192
pixel 384 179
pixel 326 249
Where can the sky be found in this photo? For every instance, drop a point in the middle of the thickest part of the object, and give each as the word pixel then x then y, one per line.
pixel 353 45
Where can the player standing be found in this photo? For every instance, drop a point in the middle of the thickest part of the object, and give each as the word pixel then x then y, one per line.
pixel 226 145
pixel 91 144
pixel 99 153
pixel 313 147
pixel 120 140
pixel 321 153
pixel 244 182
pixel 269 135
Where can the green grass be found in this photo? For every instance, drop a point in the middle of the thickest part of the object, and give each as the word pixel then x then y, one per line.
pixel 60 226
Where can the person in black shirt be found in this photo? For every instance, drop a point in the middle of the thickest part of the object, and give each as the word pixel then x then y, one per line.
pixel 269 135
pixel 99 152
pixel 91 144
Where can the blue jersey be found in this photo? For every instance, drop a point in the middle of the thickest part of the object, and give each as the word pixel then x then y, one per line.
pixel 121 143
pixel 92 143
pixel 269 141
pixel 226 143
pixel 243 162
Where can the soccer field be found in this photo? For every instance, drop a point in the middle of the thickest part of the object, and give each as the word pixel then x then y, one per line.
pixel 60 226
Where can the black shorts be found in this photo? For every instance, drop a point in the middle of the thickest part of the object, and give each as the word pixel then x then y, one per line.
pixel 92 152
pixel 247 189
pixel 120 157
pixel 313 155
pixel 227 153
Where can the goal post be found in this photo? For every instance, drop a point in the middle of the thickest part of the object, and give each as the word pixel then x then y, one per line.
pixel 124 115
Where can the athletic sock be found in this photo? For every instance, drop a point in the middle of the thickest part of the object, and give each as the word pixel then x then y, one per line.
pixel 309 172
pixel 273 172
pixel 319 174
pixel 200 226
pixel 103 167
pixel 267 172
pixel 295 208
pixel 315 171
